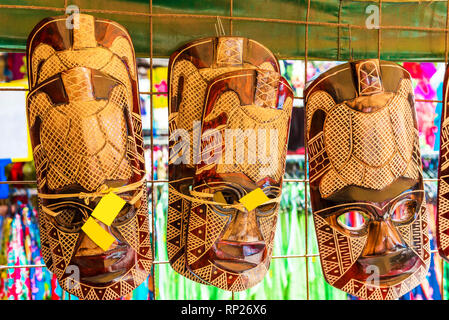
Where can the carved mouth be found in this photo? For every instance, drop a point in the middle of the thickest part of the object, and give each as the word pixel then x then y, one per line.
pixel 105 267
pixel 391 267
pixel 239 256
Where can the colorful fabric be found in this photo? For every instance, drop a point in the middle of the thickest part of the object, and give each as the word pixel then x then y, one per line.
pixel 160 85
pixel 427 81
pixel 18 282
pixel 4 244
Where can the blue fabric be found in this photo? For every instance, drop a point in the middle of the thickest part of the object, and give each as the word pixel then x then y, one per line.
pixel 438 112
pixel 4 193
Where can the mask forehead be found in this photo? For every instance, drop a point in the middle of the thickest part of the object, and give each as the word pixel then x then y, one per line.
pixel 86 133
pixel 365 165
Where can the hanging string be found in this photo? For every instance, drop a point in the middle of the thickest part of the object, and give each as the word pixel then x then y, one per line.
pixel 219 29
pixel 339 30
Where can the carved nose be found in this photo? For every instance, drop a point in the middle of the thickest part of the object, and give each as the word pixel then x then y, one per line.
pixel 383 238
pixel 243 228
pixel 89 248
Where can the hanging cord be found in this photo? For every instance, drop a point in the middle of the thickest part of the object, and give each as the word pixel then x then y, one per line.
pixel 339 31
pixel 103 190
pixel 199 197
pixel 219 29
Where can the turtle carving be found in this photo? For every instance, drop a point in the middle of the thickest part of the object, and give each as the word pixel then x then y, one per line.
pixel 367 138
pixel 84 139
pixel 86 132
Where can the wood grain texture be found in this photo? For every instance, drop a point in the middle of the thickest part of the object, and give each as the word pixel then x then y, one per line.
pixel 86 132
pixel 365 161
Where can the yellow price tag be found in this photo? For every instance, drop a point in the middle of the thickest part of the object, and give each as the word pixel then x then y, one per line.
pixel 108 208
pixel 218 197
pixel 254 199
pixel 97 234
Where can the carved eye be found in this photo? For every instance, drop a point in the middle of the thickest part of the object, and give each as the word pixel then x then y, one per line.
pixel 70 219
pixel 353 220
pixel 125 214
pixel 267 208
pixel 404 210
pixel 229 195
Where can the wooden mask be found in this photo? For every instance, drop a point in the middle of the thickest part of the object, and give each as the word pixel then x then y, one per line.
pixel 443 175
pixel 365 176
pixel 86 132
pixel 227 84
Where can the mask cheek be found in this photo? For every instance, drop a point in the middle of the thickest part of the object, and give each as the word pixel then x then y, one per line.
pixel 415 233
pixel 267 226
pixel 136 233
pixel 62 247
pixel 128 232
pixel 338 251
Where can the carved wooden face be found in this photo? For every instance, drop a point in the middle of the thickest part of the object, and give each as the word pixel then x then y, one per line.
pixel 365 179
pixel 443 175
pixel 240 240
pixel 85 128
pixel 192 69
pixel 231 247
pixel 244 131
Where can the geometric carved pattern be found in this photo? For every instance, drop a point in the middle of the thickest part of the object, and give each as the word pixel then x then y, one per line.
pixel 86 132
pixel 444 148
pixel 266 90
pixel 370 150
pixel 230 51
pixel 194 227
pixel 319 163
pixel 369 78
pixel 360 142
pixel 188 80
pixel 443 175
pixel 204 217
pixel 443 215
pixel 74 159
pixel 210 228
